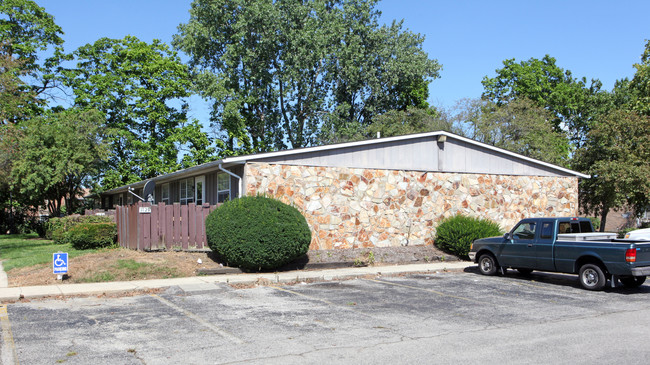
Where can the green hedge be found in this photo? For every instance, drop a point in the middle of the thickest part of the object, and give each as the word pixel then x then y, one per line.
pixel 57 228
pixel 456 234
pixel 257 233
pixel 85 236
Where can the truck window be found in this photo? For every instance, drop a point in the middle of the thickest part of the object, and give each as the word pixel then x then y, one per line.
pixel 585 226
pixel 524 231
pixel 547 230
pixel 565 227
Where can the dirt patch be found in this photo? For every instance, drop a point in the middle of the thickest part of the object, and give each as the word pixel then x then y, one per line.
pixel 124 264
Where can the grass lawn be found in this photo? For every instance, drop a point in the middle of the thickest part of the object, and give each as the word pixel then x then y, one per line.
pixel 28 250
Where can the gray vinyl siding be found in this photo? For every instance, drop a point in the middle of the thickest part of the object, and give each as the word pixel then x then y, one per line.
pixel 422 154
pixel 211 183
pixel 397 155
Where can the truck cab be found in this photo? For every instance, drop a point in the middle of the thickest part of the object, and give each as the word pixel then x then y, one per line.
pixel 530 243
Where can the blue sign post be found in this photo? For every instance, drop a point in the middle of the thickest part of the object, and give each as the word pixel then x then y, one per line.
pixel 60 263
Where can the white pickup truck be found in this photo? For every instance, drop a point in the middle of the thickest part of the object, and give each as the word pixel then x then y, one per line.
pixel 639 234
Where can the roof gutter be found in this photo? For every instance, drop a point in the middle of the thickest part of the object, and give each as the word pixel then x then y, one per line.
pixel 239 191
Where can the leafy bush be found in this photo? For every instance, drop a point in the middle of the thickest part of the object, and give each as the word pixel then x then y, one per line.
pixel 624 231
pixel 57 228
pixel 257 233
pixel 595 222
pixel 83 236
pixel 456 234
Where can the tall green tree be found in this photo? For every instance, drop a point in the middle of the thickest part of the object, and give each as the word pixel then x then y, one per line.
pixel 551 87
pixel 376 69
pixel 141 89
pixel 278 70
pixel 55 156
pixel 616 156
pixel 26 32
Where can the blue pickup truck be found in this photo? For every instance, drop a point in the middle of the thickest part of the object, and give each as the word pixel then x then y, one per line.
pixel 566 245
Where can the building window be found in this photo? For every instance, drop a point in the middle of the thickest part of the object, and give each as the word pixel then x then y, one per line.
pixel 120 200
pixel 164 193
pixel 187 190
pixel 223 188
pixel 199 188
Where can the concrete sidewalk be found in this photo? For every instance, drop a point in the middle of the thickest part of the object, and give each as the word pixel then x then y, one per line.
pixel 198 283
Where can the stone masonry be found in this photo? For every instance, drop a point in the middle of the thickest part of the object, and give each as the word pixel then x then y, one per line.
pixel 351 208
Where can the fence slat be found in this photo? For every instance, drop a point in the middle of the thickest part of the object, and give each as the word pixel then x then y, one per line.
pixel 162 224
pixel 184 227
pixel 191 229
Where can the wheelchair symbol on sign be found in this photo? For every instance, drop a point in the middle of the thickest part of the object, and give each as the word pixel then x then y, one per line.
pixel 60 262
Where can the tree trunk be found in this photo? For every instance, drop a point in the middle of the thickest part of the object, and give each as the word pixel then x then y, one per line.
pixel 603 218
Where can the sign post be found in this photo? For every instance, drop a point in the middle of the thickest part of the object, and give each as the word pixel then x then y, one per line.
pixel 60 264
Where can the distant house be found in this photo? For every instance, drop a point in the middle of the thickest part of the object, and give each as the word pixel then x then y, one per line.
pixel 381 192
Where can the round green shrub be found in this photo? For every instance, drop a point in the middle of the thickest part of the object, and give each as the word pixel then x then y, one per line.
pixel 84 236
pixel 456 234
pixel 257 233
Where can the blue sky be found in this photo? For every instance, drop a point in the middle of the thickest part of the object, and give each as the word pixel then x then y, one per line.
pixel 595 39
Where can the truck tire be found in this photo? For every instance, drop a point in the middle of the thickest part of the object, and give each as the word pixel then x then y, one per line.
pixel 632 281
pixel 592 277
pixel 487 264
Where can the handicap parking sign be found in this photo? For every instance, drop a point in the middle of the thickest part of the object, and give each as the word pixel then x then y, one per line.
pixel 60 262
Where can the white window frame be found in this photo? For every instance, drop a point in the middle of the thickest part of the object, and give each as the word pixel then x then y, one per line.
pixel 165 198
pixel 184 197
pixel 199 180
pixel 221 192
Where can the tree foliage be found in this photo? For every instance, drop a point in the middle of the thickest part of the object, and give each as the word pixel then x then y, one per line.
pixel 551 87
pixel 616 156
pixel 278 70
pixel 16 98
pixel 26 32
pixel 411 120
pixel 640 84
pixel 519 126
pixel 55 156
pixel 140 88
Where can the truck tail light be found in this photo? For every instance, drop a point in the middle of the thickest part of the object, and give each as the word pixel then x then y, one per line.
pixel 630 255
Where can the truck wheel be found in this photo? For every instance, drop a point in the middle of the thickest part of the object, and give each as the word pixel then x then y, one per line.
pixel 632 281
pixel 592 277
pixel 487 264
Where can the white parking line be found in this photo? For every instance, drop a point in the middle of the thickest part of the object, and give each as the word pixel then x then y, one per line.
pixel 221 332
pixel 424 289
pixel 8 354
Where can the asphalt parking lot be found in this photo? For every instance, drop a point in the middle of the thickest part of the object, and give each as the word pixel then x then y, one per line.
pixel 433 318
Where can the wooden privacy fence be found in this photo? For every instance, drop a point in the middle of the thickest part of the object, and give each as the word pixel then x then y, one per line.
pixel 148 227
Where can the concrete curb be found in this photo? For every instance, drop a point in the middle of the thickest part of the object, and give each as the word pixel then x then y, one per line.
pixel 4 280
pixel 199 283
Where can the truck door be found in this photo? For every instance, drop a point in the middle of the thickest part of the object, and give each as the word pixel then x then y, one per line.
pixel 519 252
pixel 544 246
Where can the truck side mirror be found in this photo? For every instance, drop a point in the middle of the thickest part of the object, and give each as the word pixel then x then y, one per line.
pixel 506 236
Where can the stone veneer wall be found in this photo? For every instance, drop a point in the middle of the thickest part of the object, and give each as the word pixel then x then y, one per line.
pixel 350 208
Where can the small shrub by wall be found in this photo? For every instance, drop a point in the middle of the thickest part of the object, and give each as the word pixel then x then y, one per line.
pixel 456 234
pixel 57 228
pixel 84 236
pixel 257 233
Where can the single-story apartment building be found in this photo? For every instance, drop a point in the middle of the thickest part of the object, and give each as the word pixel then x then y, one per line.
pixel 380 192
